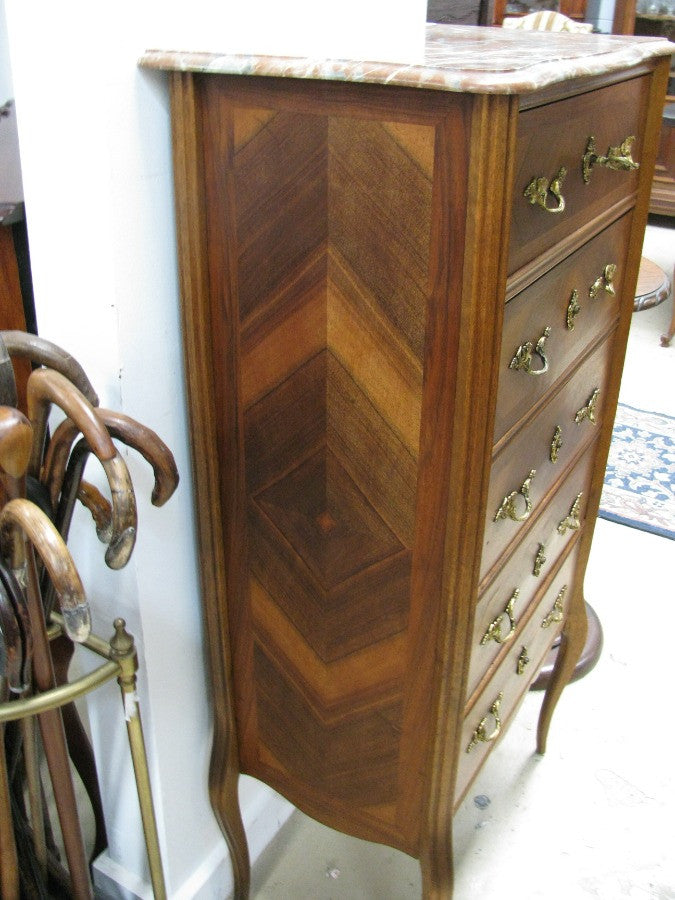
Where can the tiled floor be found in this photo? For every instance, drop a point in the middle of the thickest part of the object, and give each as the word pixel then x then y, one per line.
pixel 594 816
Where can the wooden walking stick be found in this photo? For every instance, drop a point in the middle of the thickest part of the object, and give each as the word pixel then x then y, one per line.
pixel 46 387
pixel 24 527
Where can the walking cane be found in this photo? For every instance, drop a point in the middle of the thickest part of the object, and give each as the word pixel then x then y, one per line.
pixel 23 527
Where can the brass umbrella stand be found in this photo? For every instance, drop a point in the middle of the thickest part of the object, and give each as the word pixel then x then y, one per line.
pixel 121 662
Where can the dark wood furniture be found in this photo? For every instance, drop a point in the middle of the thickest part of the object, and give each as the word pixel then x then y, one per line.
pixel 397 472
pixel 663 187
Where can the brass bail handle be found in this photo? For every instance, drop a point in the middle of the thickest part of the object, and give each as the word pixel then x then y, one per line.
pixel 507 508
pixel 481 735
pixel 618 158
pixel 540 187
pixel 522 359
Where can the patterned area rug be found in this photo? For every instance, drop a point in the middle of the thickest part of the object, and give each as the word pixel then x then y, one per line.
pixel 640 480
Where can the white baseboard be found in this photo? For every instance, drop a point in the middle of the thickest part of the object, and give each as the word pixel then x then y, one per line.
pixel 212 877
pixel 113 882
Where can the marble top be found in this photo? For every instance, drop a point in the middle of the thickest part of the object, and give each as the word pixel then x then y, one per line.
pixel 454 58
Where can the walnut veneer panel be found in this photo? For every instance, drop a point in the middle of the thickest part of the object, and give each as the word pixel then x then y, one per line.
pixel 530 644
pixel 545 304
pixel 556 135
pixel 568 420
pixel 330 240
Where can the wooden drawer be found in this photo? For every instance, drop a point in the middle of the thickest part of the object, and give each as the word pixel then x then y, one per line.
pixel 534 640
pixel 556 135
pixel 500 536
pixel 549 443
pixel 511 598
pixel 545 304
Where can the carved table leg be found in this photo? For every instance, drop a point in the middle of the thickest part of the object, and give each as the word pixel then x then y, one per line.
pixel 571 647
pixel 436 863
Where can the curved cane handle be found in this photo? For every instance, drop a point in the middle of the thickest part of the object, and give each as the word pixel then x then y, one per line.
pixel 507 508
pixel 481 735
pixel 618 158
pixel 522 359
pixel 539 188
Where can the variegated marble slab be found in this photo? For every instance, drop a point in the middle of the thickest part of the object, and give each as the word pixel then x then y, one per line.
pixel 455 58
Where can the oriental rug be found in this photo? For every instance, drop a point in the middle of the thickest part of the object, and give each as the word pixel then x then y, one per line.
pixel 639 488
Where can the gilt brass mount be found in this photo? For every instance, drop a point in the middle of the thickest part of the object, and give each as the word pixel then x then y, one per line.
pixel 494 629
pixel 523 660
pixel 604 282
pixel 539 188
pixel 556 613
pixel 507 508
pixel 588 411
pixel 522 360
pixel 571 520
pixel 556 444
pixel 481 735
pixel 539 560
pixel 618 158
pixel 573 310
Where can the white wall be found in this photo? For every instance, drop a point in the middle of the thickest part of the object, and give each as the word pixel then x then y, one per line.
pixel 6 88
pixel 601 13
pixel 95 145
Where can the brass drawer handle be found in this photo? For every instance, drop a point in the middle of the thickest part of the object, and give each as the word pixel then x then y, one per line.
pixel 604 282
pixel 522 662
pixel 618 158
pixel 539 188
pixel 507 508
pixel 556 613
pixel 588 412
pixel 522 360
pixel 573 310
pixel 494 629
pixel 480 735
pixel 571 520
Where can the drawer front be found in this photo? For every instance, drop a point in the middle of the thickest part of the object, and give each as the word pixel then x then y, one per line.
pixel 557 135
pixel 547 445
pixel 505 605
pixel 550 303
pixel 513 676
pixel 547 518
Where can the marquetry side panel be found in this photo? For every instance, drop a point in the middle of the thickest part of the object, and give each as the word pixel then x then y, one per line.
pixel 325 282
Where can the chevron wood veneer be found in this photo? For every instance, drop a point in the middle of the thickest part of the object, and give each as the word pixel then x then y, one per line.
pixel 345 269
pixel 331 326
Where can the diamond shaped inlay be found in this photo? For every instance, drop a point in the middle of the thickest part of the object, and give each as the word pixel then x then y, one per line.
pixel 327 520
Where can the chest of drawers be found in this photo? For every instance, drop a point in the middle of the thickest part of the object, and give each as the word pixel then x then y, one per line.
pixel 403 359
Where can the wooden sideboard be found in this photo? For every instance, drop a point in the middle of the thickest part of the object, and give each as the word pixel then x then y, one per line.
pixel 403 359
